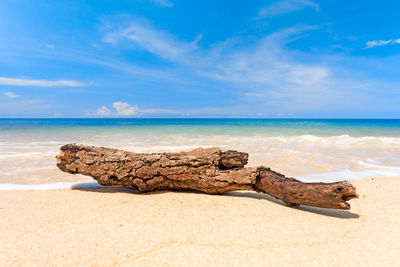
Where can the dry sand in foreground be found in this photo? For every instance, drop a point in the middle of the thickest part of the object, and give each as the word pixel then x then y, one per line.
pixel 103 227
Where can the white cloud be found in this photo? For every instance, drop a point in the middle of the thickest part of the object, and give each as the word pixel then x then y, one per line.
pixel 165 3
pixel 286 6
pixel 382 43
pixel 103 111
pixel 49 46
pixel 155 41
pixel 11 95
pixel 139 72
pixel 40 83
pixel 260 70
pixel 266 65
pixel 125 109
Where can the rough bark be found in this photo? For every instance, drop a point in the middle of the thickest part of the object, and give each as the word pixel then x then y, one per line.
pixel 208 170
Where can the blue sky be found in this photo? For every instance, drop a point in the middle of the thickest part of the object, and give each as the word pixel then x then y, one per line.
pixel 181 58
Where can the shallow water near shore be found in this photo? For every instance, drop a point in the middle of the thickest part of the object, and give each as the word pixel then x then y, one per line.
pixel 310 150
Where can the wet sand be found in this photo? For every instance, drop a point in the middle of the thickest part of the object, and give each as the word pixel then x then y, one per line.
pixel 114 226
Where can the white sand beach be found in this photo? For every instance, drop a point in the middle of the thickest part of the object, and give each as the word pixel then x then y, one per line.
pixel 118 227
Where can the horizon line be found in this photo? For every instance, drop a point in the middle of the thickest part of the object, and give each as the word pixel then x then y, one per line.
pixel 218 118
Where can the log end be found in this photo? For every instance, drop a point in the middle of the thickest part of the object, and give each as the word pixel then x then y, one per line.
pixel 294 192
pixel 344 192
pixel 67 156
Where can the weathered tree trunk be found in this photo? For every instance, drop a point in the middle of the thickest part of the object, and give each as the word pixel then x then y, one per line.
pixel 208 170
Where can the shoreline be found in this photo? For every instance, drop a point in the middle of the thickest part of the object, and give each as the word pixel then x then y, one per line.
pixel 114 226
pixel 29 158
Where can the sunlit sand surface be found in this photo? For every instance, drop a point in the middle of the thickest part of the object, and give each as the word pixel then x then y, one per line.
pixel 118 226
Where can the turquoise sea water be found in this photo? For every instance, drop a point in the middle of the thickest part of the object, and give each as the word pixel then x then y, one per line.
pixel 272 127
pixel 308 149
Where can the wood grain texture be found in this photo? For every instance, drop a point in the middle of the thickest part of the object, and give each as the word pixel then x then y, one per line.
pixel 207 170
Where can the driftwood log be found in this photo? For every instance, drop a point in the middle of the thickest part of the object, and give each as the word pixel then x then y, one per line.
pixel 208 170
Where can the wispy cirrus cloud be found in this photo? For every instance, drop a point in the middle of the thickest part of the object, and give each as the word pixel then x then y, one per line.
pixel 261 70
pixel 155 41
pixel 268 65
pixel 40 83
pixel 263 65
pixel 286 6
pixel 382 42
pixel 11 95
pixel 165 3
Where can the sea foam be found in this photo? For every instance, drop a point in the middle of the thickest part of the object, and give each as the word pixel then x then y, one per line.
pixel 347 175
pixel 306 157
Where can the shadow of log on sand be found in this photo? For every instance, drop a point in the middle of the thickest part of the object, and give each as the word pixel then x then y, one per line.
pixel 96 188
